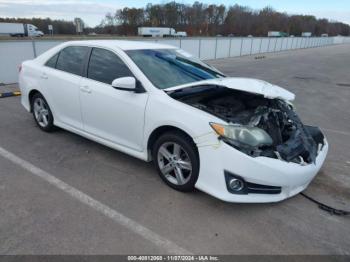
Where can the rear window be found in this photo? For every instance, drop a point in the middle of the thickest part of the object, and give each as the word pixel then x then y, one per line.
pixel 71 59
pixel 52 61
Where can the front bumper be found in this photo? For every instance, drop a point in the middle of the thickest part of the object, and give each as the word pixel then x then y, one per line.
pixel 291 177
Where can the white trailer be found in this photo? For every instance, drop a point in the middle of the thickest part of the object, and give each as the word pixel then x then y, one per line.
pixel 306 34
pixel 156 31
pixel 273 34
pixel 17 29
pixel 276 34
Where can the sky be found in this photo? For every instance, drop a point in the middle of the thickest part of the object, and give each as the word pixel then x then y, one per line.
pixel 93 11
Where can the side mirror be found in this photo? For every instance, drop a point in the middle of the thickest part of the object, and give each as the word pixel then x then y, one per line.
pixel 125 83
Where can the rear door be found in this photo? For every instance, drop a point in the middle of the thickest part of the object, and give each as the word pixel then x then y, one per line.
pixel 62 77
pixel 114 115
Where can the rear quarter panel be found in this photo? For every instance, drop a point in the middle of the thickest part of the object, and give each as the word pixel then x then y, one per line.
pixel 29 79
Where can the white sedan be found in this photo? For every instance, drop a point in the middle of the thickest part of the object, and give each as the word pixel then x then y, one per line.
pixel 236 139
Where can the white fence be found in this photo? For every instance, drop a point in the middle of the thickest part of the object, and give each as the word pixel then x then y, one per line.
pixel 12 53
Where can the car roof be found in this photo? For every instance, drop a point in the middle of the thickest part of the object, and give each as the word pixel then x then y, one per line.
pixel 121 44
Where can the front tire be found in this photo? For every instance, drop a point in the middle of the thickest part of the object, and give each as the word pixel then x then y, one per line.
pixel 176 159
pixel 42 113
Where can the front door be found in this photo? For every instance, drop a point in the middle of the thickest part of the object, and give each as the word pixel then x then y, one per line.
pixel 111 114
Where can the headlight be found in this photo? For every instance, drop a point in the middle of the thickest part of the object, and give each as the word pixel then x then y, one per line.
pixel 251 136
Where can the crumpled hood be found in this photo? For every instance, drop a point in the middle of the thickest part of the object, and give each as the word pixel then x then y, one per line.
pixel 250 85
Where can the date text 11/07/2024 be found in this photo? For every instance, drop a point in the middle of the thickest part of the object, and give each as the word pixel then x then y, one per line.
pixel 173 258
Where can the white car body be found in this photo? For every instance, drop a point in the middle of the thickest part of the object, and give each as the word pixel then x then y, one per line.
pixel 125 121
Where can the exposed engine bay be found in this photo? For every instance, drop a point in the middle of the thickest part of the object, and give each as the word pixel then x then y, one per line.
pixel 290 141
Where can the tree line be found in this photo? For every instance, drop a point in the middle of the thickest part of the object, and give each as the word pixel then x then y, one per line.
pixel 198 19
pixel 201 19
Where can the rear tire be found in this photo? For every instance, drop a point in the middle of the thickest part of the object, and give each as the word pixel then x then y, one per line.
pixel 42 113
pixel 176 159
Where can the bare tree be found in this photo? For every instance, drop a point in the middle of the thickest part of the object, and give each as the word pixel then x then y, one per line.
pixel 200 19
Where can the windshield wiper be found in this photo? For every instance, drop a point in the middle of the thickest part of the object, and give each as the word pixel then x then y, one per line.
pixel 204 68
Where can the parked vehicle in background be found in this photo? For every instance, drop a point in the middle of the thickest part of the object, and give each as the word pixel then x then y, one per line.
pixel 276 34
pixel 160 32
pixel 181 34
pixel 324 35
pixel 306 34
pixel 17 29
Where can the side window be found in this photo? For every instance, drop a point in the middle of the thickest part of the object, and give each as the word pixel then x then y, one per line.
pixel 105 66
pixel 52 61
pixel 71 59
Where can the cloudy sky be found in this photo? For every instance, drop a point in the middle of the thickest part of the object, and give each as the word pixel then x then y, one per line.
pixel 93 11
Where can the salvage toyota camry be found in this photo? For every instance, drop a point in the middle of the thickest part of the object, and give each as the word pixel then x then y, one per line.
pixel 236 139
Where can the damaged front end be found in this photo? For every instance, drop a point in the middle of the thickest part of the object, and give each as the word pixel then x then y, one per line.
pixel 257 126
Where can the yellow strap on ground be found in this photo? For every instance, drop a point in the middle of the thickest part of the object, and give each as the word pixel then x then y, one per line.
pixel 9 94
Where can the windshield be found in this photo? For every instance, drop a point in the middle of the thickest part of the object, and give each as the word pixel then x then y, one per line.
pixel 169 67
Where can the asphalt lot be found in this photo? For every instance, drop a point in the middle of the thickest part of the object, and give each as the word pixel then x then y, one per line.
pixel 38 218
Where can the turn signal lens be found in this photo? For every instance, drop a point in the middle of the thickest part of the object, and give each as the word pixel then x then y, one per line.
pixel 219 129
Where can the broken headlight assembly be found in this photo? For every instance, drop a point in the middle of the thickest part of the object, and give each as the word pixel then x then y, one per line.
pixel 258 126
pixel 243 137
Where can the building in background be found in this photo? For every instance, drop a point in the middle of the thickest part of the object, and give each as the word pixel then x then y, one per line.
pixel 79 25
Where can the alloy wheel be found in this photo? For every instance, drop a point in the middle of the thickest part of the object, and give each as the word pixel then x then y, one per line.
pixel 41 112
pixel 174 163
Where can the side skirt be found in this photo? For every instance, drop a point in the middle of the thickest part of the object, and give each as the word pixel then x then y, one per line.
pixel 143 155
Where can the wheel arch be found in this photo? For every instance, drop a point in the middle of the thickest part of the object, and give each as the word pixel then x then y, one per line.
pixel 30 96
pixel 162 130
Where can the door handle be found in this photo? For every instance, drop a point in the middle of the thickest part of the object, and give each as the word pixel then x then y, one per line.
pixel 85 89
pixel 44 76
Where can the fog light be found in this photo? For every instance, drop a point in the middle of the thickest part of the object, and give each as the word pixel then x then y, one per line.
pixel 236 184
